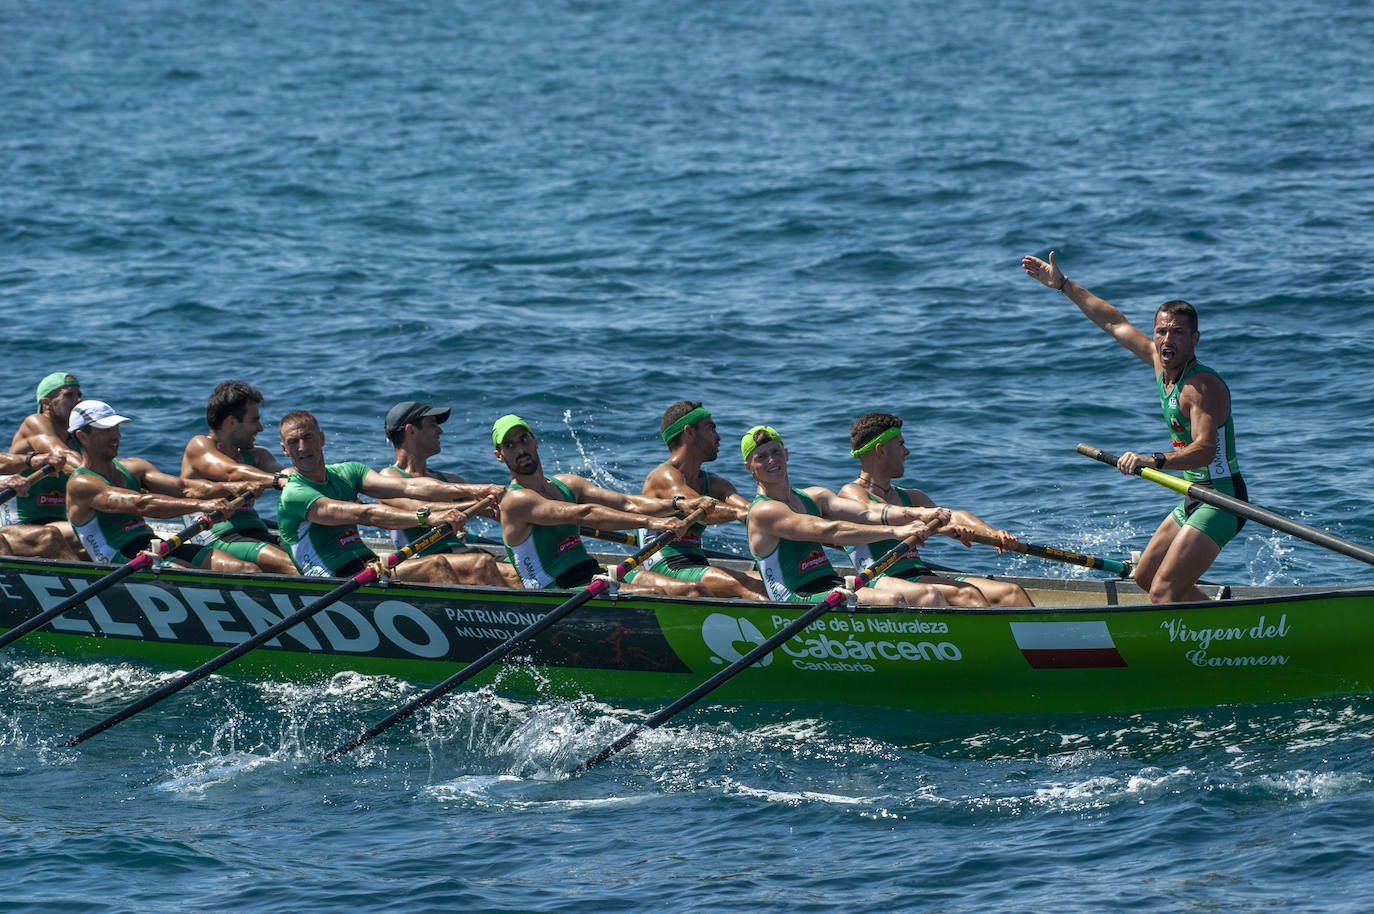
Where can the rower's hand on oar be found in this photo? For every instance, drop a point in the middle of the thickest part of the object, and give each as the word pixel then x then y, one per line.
pixel 449 515
pixel 252 488
pixel 705 503
pixel 674 525
pixel 56 461
pixel 959 532
pixel 1130 462
pixel 1047 274
pixel 16 482
pixel 1005 540
pixel 920 530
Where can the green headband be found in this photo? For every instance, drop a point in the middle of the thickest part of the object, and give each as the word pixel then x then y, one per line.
pixel 885 435
pixel 691 418
pixel 747 443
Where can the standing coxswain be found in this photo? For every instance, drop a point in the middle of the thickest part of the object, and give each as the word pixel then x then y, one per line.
pixel 790 527
pixel 108 497
pixel 1197 408
pixel 876 440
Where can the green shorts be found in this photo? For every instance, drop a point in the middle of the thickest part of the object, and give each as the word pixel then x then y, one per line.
pixel 1217 525
pixel 246 550
pixel 690 573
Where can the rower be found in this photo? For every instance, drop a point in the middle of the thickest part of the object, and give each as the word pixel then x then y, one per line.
pixel 876 440
pixel 31 539
pixel 790 527
pixel 229 453
pixel 540 517
pixel 31 519
pixel 690 434
pixel 1197 408
pixel 107 498
pixel 319 512
pixel 414 429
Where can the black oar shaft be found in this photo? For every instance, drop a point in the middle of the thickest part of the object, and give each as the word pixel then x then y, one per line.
pixel 366 576
pixel 1210 496
pixel 787 632
pixel 501 650
pixel 137 563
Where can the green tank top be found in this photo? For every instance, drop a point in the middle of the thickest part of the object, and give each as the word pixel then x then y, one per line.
pixel 246 518
pixel 1224 463
pixel 690 543
pixel 792 564
pixel 46 501
pixel 866 554
pixel 403 538
pixel 549 551
pixel 106 534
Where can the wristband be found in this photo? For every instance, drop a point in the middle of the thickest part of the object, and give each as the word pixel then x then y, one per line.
pixel 422 516
pixel 1159 460
pixel 28 458
pixel 676 499
pixel 1063 279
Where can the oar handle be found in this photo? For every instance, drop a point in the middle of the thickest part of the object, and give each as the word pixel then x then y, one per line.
pixel 786 633
pixel 9 492
pixel 541 624
pixel 1241 508
pixel 611 536
pixel 366 576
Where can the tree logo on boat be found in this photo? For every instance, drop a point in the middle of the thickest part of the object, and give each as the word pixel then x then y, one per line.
pixel 730 638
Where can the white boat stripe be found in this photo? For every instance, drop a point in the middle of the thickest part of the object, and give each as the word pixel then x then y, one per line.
pixel 1061 636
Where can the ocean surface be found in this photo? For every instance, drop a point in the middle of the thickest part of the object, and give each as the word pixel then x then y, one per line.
pixel 797 212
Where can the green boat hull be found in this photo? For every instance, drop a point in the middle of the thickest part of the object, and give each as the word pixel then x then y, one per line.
pixel 1101 649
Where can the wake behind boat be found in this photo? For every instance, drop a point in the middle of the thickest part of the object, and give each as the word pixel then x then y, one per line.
pixel 1087 645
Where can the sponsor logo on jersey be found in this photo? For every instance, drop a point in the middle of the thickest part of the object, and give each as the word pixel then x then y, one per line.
pixel 53 498
pixel 812 561
pixel 135 524
pixel 569 543
pixel 350 537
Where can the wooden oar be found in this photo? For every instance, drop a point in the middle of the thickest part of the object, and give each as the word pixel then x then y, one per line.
pixel 791 630
pixel 366 576
pixel 1241 508
pixel 137 563
pixel 501 650
pixel 1120 569
pixel 9 492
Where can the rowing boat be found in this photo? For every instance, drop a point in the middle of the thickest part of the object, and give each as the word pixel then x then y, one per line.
pixel 1087 645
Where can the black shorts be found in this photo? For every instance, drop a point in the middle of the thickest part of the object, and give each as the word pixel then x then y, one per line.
pixel 190 553
pixel 579 575
pixel 820 586
pixel 679 562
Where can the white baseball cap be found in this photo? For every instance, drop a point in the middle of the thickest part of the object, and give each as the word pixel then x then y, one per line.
pixel 94 413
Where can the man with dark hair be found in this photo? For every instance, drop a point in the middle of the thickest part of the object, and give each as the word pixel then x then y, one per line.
pixel 31 518
pixel 413 428
pixel 541 516
pixel 789 529
pixel 319 511
pixel 690 434
pixel 30 539
pixel 107 498
pixel 228 453
pixel 1197 407
pixel 876 440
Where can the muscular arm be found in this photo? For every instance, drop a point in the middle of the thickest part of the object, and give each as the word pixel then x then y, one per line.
pixel 37 433
pixel 871 512
pixel 203 460
pixel 1100 312
pixel 158 482
pixel 777 521
pixel 424 488
pixel 1206 401
pixel 666 481
pixel 86 494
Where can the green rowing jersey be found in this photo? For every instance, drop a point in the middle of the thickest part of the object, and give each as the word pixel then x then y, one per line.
pixel 46 501
pixel 1224 464
pixel 689 546
pixel 403 538
pixel 865 554
pixel 548 551
pixel 792 564
pixel 319 549
pixel 105 534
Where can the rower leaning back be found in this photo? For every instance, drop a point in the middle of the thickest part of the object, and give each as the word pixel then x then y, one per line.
pixel 1197 407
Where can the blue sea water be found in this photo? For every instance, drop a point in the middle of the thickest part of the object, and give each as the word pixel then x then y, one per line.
pixel 797 212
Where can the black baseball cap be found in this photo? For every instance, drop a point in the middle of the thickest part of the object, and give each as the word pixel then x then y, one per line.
pixel 409 412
